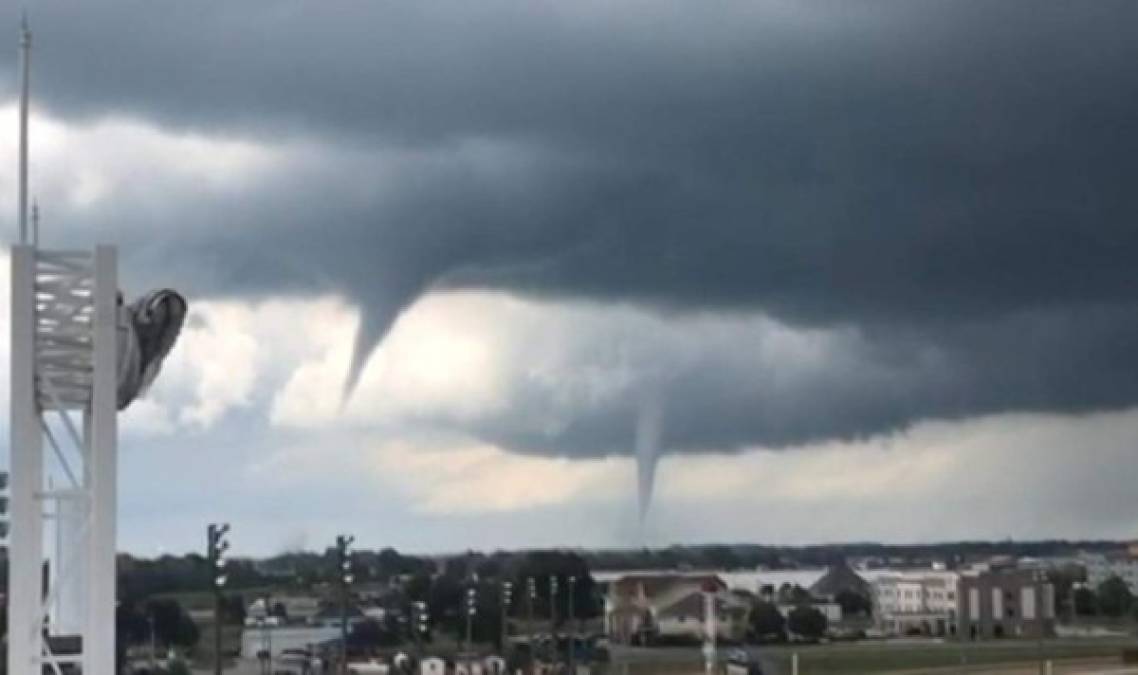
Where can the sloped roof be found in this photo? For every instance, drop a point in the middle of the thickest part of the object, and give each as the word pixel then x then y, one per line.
pixel 654 585
pixel 690 602
pixel 837 579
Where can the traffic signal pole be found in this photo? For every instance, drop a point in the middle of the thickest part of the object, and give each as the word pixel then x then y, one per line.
pixel 344 569
pixel 216 545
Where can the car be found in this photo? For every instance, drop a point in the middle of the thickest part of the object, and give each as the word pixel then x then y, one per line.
pixel 739 662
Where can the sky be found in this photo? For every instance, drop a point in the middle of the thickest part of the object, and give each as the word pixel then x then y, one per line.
pixel 520 274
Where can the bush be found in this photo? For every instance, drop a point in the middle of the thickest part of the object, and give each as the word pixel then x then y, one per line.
pixel 807 622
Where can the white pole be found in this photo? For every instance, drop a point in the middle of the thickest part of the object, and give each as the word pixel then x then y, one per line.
pixel 25 61
pixel 709 631
pixel 794 663
pixel 25 539
pixel 99 638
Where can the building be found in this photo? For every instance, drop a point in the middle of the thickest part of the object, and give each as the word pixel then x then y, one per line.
pixel 642 608
pixel 680 616
pixel 1005 602
pixel 296 608
pixel 279 639
pixel 1102 566
pixel 916 602
pixel 838 579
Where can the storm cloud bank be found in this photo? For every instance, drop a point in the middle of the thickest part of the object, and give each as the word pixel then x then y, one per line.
pixel 941 192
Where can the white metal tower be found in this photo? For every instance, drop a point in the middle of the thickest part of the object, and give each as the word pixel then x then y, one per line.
pixel 64 368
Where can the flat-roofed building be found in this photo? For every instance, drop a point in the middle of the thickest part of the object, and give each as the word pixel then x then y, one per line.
pixel 1002 603
pixel 916 602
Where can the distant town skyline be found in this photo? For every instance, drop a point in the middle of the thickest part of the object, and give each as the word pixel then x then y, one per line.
pixel 474 275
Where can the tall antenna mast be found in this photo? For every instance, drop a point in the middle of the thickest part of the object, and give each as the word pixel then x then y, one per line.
pixel 25 59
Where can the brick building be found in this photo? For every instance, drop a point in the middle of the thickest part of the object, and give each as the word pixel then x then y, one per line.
pixel 1001 603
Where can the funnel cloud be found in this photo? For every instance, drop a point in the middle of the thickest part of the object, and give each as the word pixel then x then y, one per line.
pixel 648 436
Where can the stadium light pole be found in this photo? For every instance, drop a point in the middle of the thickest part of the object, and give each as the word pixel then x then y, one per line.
pixel 216 546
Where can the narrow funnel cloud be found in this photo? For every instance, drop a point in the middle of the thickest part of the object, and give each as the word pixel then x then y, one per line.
pixel 378 313
pixel 648 431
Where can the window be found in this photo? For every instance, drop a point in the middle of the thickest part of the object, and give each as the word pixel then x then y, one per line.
pixel 1027 601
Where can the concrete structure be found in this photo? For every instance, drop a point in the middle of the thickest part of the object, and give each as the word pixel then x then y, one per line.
pixel 916 602
pixel 1009 602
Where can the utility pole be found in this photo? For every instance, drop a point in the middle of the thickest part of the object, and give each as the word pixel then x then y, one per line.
pixel 553 617
pixel 572 628
pixel 216 546
pixel 531 595
pixel 153 648
pixel 344 558
pixel 507 593
pixel 267 636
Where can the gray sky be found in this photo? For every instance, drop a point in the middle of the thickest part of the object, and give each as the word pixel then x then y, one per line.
pixel 829 242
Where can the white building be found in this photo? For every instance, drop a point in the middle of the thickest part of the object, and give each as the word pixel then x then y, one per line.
pixel 916 601
pixel 278 639
pixel 1101 567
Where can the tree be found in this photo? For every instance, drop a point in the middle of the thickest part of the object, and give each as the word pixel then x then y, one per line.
pixel 233 609
pixel 1084 601
pixel 563 564
pixel 1114 597
pixel 172 624
pixel 807 622
pixel 853 603
pixel 767 623
pixel 793 595
pixel 130 624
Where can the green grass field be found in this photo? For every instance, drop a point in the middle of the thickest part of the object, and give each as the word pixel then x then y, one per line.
pixel 871 657
pixel 867 658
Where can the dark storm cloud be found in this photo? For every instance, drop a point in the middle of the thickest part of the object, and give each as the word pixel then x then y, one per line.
pixel 942 175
